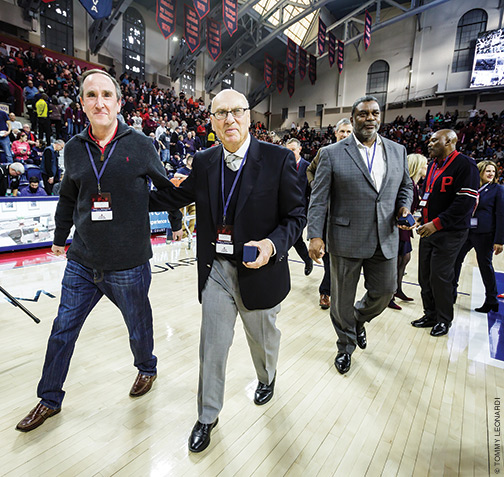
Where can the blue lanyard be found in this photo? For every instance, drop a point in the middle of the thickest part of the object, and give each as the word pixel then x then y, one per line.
pixel 225 202
pixel 102 169
pixel 370 166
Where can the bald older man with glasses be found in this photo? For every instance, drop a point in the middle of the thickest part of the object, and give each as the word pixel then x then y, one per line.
pixel 247 194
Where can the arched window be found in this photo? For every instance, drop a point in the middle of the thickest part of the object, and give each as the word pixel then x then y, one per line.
pixel 133 43
pixel 469 26
pixel 377 81
pixel 56 26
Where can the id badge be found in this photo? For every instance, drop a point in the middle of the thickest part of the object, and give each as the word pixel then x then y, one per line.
pixel 224 242
pixel 101 207
pixel 474 222
pixel 423 202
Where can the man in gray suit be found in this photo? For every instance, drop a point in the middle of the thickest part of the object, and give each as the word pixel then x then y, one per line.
pixel 364 181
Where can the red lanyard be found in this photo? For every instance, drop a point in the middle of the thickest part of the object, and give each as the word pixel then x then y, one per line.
pixel 433 175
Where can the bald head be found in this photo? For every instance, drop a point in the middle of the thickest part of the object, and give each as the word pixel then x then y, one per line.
pixel 442 143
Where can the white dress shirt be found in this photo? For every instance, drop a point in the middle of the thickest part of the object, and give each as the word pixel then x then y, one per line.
pixel 379 166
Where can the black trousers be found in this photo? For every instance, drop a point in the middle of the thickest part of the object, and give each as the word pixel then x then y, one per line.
pixel 436 271
pixel 301 249
pixel 483 244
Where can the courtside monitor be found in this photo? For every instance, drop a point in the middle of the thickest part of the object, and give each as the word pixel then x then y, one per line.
pixel 488 66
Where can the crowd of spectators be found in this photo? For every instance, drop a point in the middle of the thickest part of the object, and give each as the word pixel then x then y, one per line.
pixel 180 126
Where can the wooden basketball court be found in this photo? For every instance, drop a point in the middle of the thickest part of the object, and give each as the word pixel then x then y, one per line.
pixel 410 405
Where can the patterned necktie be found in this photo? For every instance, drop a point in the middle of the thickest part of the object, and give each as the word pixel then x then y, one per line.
pixel 233 162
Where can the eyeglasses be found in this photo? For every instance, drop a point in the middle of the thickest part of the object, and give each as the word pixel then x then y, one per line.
pixel 223 114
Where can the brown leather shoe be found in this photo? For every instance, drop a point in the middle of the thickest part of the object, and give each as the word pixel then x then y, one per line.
pixel 325 302
pixel 36 417
pixel 142 384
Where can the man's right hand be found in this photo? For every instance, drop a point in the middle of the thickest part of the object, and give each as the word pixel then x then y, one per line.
pixel 316 249
pixel 57 250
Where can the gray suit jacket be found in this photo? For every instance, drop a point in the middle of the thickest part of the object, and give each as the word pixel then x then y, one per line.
pixel 359 216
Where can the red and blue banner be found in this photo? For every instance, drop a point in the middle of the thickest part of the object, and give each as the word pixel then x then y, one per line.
pixel 165 16
pixel 321 37
pixel 191 28
pixel 202 7
pixel 331 49
pixel 312 69
pixel 268 70
pixel 367 30
pixel 280 76
pixel 291 56
pixel 341 52
pixel 97 8
pixel 230 15
pixel 291 83
pixel 213 39
pixel 302 63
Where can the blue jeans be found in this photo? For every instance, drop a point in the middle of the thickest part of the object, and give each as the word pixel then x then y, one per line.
pixel 81 290
pixel 6 146
pixel 165 155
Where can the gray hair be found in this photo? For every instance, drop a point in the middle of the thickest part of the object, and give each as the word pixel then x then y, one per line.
pixel 295 141
pixel 363 99
pixel 96 71
pixel 18 167
pixel 60 142
pixel 342 122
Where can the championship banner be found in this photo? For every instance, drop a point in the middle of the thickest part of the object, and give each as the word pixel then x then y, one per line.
pixel 191 28
pixel 291 83
pixel 230 15
pixel 213 39
pixel 302 63
pixel 280 76
pixel 331 49
pixel 268 70
pixel 165 16
pixel 321 37
pixel 341 51
pixel 312 69
pixel 291 56
pixel 97 8
pixel 367 30
pixel 202 7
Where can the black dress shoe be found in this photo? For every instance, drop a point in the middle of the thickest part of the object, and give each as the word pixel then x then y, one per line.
pixel 308 268
pixel 424 322
pixel 487 307
pixel 342 362
pixel 264 392
pixel 200 436
pixel 440 329
pixel 361 336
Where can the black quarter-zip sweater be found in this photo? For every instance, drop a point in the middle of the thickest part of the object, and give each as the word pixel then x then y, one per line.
pixel 124 241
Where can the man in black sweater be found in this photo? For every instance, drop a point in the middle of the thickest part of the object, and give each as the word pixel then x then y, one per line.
pixel 448 199
pixel 111 246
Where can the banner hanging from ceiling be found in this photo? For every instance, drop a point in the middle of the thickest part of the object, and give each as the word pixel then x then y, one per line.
pixel 191 28
pixel 280 76
pixel 202 7
pixel 165 16
pixel 302 63
pixel 341 52
pixel 331 49
pixel 230 15
pixel 97 8
pixel 312 69
pixel 214 47
pixel 321 37
pixel 291 56
pixel 367 30
pixel 268 70
pixel 291 83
